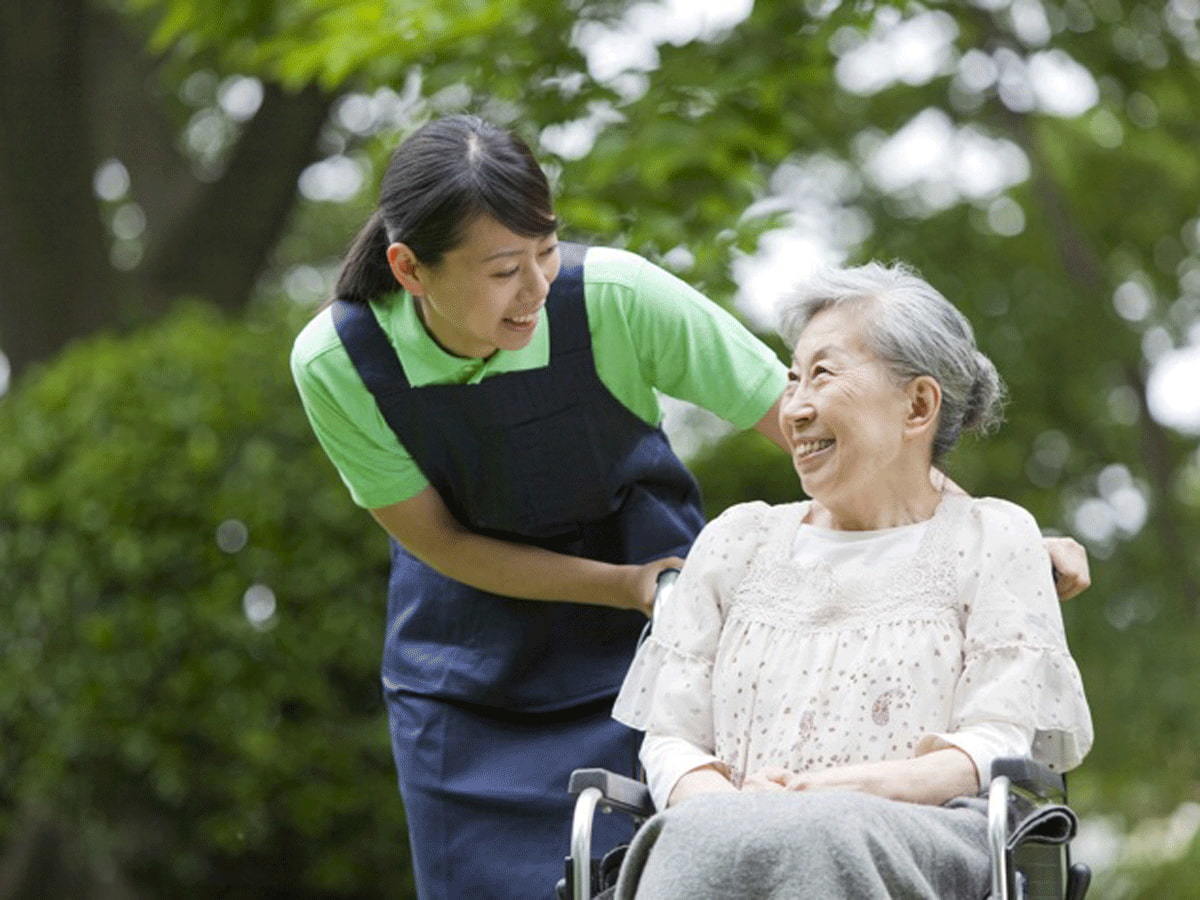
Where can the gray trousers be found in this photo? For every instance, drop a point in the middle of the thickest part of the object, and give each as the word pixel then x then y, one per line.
pixel 824 844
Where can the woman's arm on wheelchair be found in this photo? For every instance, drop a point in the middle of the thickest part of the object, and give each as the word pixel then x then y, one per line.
pixel 428 530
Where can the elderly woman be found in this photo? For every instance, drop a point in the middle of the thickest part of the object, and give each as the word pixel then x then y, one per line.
pixel 824 695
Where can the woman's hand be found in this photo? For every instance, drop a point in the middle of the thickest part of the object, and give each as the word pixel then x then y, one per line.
pixel 772 778
pixel 1071 575
pixel 930 778
pixel 636 585
pixel 869 778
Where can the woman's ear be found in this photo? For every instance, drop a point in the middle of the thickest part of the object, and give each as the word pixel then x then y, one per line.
pixel 403 263
pixel 924 404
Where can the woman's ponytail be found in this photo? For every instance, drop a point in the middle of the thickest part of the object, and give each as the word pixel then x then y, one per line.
pixel 365 273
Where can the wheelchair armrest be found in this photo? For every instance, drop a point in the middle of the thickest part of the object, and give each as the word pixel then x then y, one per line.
pixel 1032 777
pixel 617 791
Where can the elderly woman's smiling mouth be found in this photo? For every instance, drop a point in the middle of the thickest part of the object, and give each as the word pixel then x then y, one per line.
pixel 811 448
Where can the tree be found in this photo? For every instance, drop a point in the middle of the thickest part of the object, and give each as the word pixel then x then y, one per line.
pixel 1074 248
pixel 79 85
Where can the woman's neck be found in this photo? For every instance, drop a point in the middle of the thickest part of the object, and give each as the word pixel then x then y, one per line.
pixel 881 504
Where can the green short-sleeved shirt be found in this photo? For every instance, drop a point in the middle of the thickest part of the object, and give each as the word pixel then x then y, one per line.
pixel 650 332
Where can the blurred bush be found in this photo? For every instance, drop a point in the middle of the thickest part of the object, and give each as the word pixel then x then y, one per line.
pixel 190 632
pixel 743 466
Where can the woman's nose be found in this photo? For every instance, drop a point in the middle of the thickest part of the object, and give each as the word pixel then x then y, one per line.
pixel 537 285
pixel 796 409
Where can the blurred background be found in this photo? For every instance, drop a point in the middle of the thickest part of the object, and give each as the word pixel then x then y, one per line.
pixel 191 609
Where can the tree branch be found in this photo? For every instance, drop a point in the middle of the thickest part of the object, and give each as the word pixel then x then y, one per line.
pixel 129 111
pixel 219 246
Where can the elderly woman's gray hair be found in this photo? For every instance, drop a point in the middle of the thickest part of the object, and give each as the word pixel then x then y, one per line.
pixel 915 331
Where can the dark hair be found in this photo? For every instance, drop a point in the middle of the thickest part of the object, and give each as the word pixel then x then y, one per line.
pixel 444 175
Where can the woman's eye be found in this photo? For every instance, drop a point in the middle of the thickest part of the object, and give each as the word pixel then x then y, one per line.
pixel 820 370
pixel 507 274
pixel 548 250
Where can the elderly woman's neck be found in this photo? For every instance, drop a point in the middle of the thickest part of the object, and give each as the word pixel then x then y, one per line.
pixel 881 505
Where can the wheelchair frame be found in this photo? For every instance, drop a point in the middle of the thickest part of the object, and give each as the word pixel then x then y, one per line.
pixel 1031 868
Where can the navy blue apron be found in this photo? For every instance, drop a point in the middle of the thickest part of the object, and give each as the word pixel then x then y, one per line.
pixel 492 701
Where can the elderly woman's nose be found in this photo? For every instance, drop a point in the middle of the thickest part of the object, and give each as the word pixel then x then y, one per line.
pixel 796 408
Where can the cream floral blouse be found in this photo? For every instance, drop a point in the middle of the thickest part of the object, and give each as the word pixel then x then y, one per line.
pixel 789 645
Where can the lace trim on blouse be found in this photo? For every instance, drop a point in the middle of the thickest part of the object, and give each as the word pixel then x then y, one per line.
pixel 918 589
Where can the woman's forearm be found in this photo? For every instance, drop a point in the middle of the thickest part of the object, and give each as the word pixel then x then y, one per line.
pixel 704 780
pixel 519 570
pixel 427 530
pixel 932 778
pixel 768 426
pixel 935 777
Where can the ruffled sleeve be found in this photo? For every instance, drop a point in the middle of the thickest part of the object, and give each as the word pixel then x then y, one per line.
pixel 668 689
pixel 1018 678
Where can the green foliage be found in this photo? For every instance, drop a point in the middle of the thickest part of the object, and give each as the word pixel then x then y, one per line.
pixel 741 467
pixel 143 715
pixel 1147 881
pixel 510 46
pixel 1111 196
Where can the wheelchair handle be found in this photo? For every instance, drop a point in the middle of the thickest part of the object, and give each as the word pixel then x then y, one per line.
pixel 664 588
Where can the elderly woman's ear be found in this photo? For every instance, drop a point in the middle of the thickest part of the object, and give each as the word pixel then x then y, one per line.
pixel 924 403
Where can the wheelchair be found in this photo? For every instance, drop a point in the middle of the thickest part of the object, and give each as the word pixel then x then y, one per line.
pixel 1029 826
pixel 1029 833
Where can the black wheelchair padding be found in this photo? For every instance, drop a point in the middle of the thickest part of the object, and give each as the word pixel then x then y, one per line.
pixel 1037 803
pixel 620 793
pixel 1032 776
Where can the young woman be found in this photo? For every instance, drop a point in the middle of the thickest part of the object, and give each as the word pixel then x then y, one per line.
pixel 830 672
pixel 490 395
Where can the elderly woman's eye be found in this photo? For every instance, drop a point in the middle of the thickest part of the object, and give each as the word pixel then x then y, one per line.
pixel 820 370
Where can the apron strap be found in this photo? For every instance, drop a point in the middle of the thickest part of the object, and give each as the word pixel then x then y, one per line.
pixel 368 347
pixel 565 307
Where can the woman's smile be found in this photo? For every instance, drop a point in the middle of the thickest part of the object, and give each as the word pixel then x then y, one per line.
pixel 523 324
pixel 809 450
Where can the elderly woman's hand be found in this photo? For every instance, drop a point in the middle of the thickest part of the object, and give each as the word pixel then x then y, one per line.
pixel 870 778
pixel 933 777
pixel 772 778
pixel 1071 575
